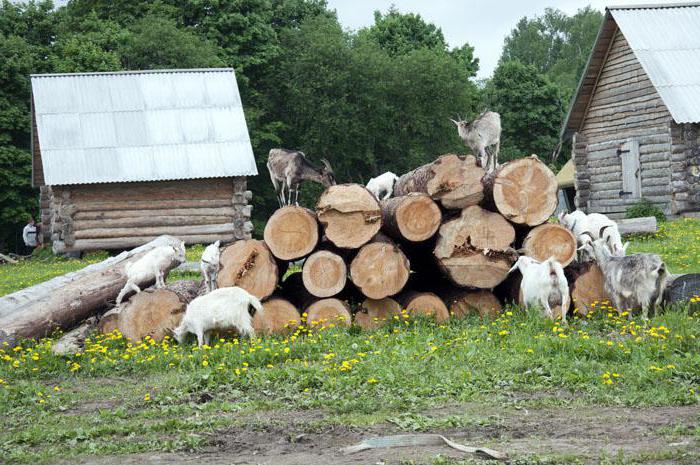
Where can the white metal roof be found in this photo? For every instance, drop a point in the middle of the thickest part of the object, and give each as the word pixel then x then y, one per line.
pixel 141 126
pixel 666 41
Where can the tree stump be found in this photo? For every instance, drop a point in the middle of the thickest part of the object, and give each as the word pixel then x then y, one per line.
pixel 291 233
pixel 380 269
pixel 586 286
pixel 349 214
pixel 279 317
pixel 249 264
pixel 452 180
pixel 375 313
pixel 156 312
pixel 324 274
pixel 425 303
pixel 413 217
pixel 550 240
pixel 326 312
pixel 463 302
pixel 524 191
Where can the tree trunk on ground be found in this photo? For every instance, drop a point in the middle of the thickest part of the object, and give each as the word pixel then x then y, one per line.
pixel 550 240
pixel 65 301
pixel 681 288
pixel 424 303
pixel 74 340
pixel 586 286
pixel 324 274
pixel 413 217
pixel 380 268
pixel 249 264
pixel 463 302
pixel 645 225
pixel 524 191
pixel 156 312
pixel 375 313
pixel 452 180
pixel 326 312
pixel 279 317
pixel 350 215
pixel 291 233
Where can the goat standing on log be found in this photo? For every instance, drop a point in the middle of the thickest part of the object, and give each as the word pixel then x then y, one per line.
pixel 288 168
pixel 481 133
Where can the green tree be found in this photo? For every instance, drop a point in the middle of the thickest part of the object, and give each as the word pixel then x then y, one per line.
pixel 531 110
pixel 400 33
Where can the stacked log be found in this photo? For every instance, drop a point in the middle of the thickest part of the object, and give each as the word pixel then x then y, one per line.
pixel 380 268
pixel 250 265
pixel 349 214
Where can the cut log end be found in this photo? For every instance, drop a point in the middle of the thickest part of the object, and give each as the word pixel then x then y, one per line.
pixel 425 303
pixel 326 312
pixel 109 322
pixel 587 286
pixel 349 214
pixel 477 228
pixel 380 269
pixel 414 217
pixel 375 313
pixel 324 274
pixel 279 317
pixel 482 303
pixel 473 268
pixel 291 233
pixel 249 264
pixel 550 240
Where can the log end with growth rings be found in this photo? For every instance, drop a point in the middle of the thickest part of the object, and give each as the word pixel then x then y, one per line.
pixel 291 232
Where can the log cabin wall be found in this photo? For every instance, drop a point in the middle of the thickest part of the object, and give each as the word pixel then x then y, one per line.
pixel 685 165
pixel 626 124
pixel 125 215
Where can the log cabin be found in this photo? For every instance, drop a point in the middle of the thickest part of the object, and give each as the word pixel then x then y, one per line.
pixel 122 157
pixel 634 121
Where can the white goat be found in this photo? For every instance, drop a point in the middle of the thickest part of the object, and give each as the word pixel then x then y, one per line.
pixel 635 281
pixel 382 187
pixel 152 265
pixel 210 265
pixel 481 133
pixel 543 284
pixel 588 228
pixel 222 309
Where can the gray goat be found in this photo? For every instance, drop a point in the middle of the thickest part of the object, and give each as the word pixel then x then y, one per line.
pixel 481 133
pixel 634 281
pixel 288 168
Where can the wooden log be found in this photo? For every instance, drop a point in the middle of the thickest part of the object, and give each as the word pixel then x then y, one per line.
pixel 279 317
pixel 141 213
pixel 326 313
pixel 350 215
pixel 682 288
pixel 524 191
pixel 586 286
pixel 550 240
pixel 413 217
pixel 291 232
pixel 380 268
pixel 103 206
pixel 127 242
pixel 452 180
pixel 424 303
pixel 108 233
pixel 469 267
pixel 65 301
pixel 74 340
pixel 109 321
pixel 150 221
pixel 156 312
pixel 8 259
pixel 477 228
pixel 645 225
pixel 324 274
pixel 375 313
pixel 461 303
pixel 249 264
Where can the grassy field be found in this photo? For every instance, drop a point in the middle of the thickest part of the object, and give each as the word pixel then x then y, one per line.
pixel 603 390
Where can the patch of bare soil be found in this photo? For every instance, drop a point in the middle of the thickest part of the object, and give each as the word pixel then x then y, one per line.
pixel 299 438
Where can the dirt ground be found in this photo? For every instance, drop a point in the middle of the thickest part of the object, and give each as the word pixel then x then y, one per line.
pixel 286 438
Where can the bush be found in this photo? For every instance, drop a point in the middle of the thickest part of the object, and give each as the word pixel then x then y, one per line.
pixel 645 208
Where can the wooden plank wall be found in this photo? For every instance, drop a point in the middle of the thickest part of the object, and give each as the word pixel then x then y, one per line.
pixel 625 105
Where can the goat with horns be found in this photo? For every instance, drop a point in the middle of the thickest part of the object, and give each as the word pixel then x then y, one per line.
pixel 288 168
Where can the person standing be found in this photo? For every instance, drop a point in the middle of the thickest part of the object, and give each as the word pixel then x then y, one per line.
pixel 30 236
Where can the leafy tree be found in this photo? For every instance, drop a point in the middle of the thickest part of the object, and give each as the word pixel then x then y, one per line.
pixel 399 33
pixel 531 110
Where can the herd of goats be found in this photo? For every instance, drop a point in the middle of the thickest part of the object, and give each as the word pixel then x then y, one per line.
pixel 633 282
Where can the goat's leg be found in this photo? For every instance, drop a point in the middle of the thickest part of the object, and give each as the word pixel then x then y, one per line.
pixel 207 337
pixel 200 336
pixel 275 184
pixel 296 195
pixel 494 155
pixel 484 156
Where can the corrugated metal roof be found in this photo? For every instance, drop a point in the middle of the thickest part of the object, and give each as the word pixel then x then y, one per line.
pixel 666 41
pixel 141 126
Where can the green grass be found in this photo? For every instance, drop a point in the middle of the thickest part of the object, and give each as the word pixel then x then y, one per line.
pixel 678 243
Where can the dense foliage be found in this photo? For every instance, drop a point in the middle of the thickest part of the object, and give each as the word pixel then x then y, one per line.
pixel 372 100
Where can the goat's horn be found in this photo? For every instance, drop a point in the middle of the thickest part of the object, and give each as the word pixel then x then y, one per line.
pixel 456 122
pixel 573 226
pixel 600 233
pixel 586 233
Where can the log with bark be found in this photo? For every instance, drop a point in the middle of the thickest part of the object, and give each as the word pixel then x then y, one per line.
pixel 326 312
pixel 279 316
pixel 645 225
pixel 550 240
pixel 324 273
pixel 462 302
pixel 156 312
pixel 524 191
pixel 249 264
pixel 350 215
pixel 374 313
pixel 65 301
pixel 291 232
pixel 414 217
pixel 424 303
pixel 452 180
pixel 380 269
pixel 586 286
pixel 74 341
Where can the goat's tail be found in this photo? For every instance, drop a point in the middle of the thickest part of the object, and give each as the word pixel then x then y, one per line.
pixel 255 303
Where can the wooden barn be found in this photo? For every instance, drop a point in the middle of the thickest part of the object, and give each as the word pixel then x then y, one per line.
pixel 123 157
pixel 635 119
